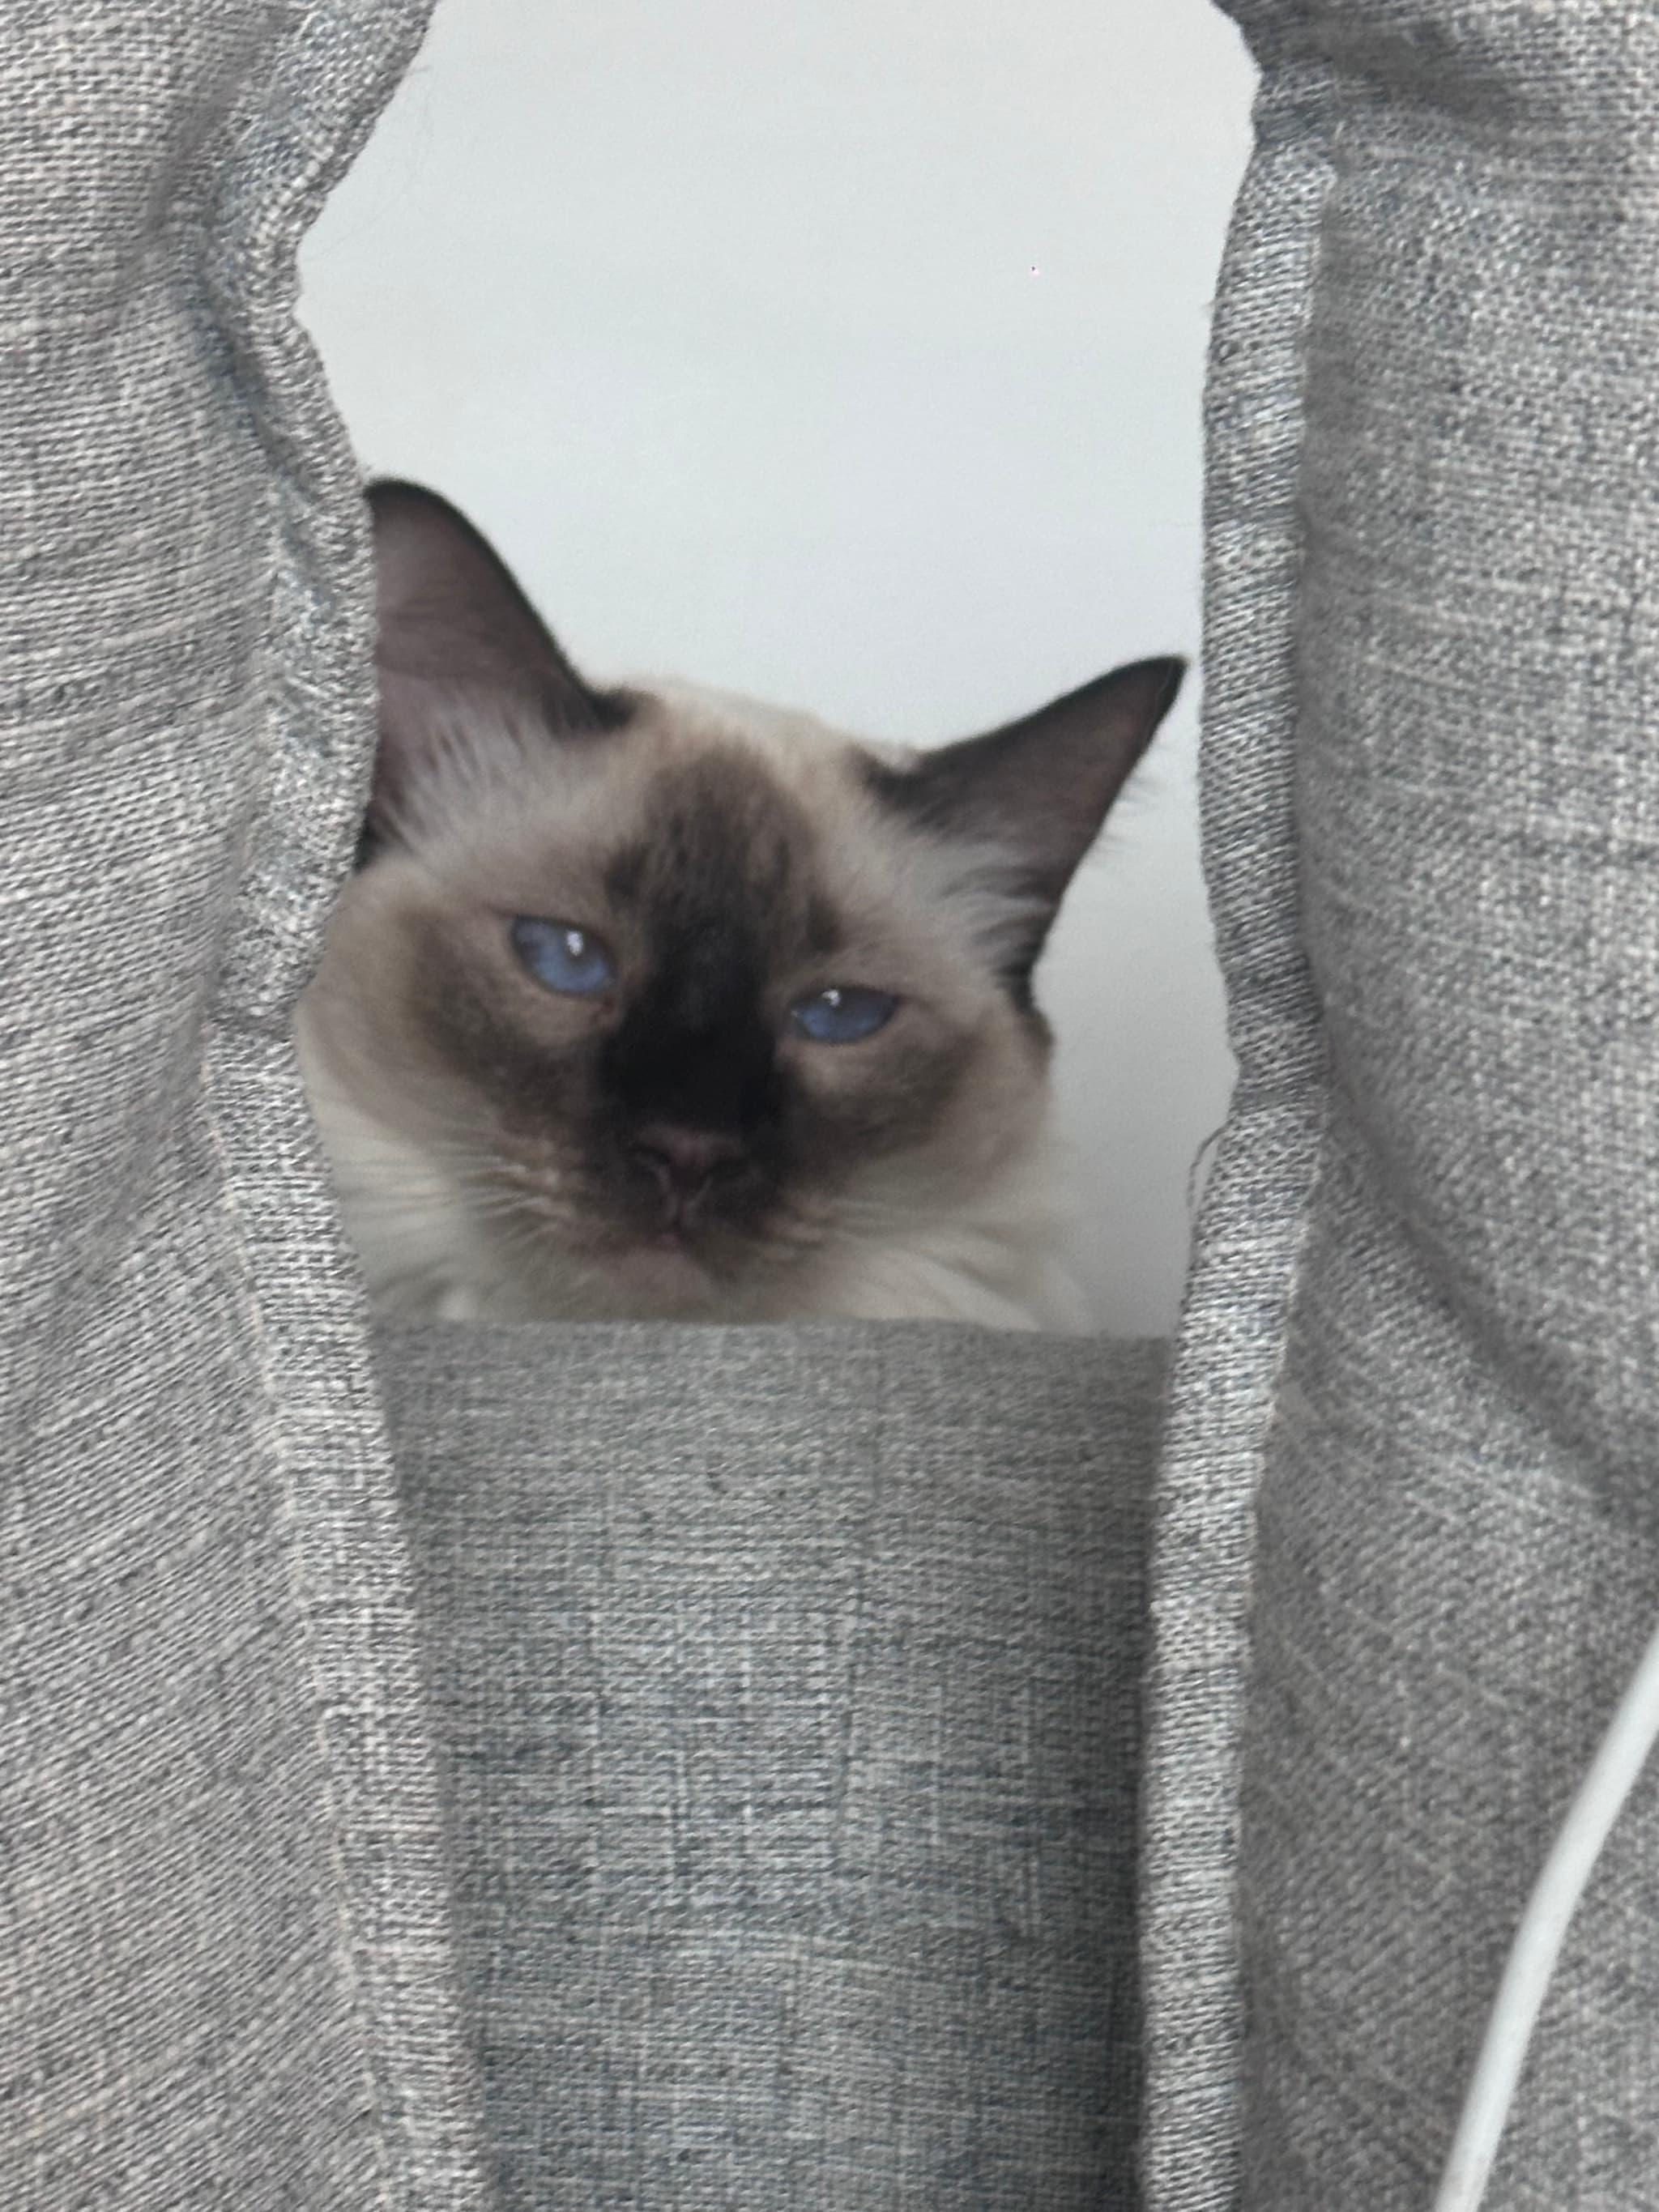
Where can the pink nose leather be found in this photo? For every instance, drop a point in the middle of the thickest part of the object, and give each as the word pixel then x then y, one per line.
pixel 683 1160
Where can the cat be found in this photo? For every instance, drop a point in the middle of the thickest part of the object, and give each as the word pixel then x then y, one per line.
pixel 652 1002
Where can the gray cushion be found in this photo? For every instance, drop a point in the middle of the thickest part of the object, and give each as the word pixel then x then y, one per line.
pixel 788 1683
pixel 223 1963
pixel 1421 1339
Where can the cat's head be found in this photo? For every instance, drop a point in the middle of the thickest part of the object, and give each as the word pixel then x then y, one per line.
pixel 675 998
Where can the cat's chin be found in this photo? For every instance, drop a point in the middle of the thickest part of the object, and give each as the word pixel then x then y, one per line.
pixel 663 1275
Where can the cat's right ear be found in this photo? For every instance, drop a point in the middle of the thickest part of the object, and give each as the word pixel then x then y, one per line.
pixel 1033 794
pixel 461 654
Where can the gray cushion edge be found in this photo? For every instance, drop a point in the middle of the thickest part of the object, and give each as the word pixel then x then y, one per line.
pixel 624 1413
pixel 1233 1333
pixel 352 1581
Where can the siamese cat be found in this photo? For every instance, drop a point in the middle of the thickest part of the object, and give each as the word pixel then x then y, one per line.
pixel 649 1002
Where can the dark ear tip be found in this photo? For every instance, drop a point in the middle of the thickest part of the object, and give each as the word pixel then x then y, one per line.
pixel 1161 677
pixel 388 491
pixel 389 495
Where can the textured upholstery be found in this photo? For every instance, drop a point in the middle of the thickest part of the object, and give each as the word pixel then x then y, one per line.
pixel 788 1681
pixel 224 1975
pixel 704 1783
pixel 1410 1542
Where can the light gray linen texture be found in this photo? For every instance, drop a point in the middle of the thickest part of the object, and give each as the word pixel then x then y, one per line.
pixel 788 1684
pixel 1456 1519
pixel 1229 1347
pixel 225 1977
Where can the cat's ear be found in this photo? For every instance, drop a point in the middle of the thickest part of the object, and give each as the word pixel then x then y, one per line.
pixel 1032 796
pixel 460 649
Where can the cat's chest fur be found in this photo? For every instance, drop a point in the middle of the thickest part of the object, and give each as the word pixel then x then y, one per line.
pixel 652 1003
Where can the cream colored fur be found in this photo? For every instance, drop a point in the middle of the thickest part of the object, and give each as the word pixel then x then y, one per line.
pixel 961 1227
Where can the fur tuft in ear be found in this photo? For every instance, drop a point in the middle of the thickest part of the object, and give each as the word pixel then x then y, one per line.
pixel 463 659
pixel 1034 795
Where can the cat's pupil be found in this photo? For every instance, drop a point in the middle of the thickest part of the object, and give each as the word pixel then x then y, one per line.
pixel 562 956
pixel 843 1014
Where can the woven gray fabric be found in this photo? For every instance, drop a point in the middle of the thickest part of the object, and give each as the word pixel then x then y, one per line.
pixel 224 1971
pixel 1229 1350
pixel 789 1684
pixel 1446 281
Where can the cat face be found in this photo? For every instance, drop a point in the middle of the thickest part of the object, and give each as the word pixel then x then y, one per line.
pixel 662 1001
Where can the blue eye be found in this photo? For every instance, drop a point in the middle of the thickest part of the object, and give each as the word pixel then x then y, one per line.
pixel 843 1014
pixel 562 956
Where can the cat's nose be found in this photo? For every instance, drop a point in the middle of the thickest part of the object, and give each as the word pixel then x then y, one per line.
pixel 684 1161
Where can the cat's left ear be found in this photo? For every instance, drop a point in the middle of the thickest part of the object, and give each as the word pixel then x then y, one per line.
pixel 1036 793
pixel 462 655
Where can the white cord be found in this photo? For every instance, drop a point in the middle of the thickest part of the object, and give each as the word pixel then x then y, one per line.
pixel 1612 1774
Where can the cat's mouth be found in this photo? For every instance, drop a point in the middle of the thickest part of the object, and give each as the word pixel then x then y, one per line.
pixel 663 1264
pixel 665 1228
pixel 696 1262
pixel 685 1269
pixel 685 1199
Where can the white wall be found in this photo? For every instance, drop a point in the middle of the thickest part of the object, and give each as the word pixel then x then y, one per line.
pixel 850 356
